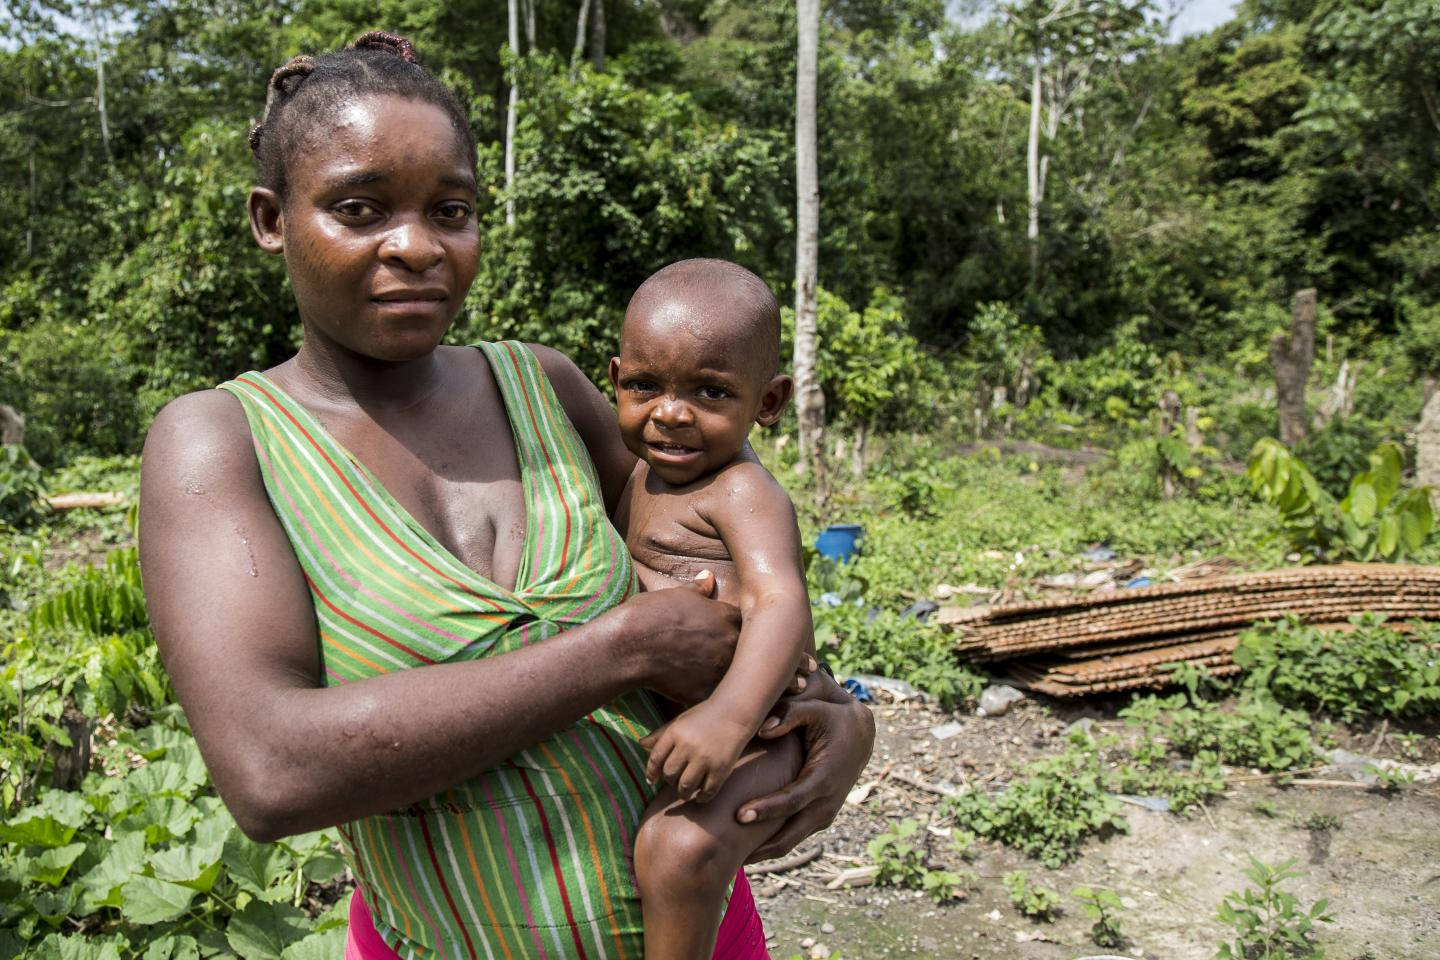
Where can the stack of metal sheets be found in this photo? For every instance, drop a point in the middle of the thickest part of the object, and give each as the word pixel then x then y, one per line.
pixel 1132 638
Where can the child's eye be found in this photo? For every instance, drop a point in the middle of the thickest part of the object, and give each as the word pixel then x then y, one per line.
pixel 640 386
pixel 713 393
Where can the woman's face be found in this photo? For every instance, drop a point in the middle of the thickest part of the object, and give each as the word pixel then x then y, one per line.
pixel 378 230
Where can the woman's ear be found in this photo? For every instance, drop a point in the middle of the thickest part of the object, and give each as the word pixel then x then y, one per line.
pixel 267 222
pixel 773 401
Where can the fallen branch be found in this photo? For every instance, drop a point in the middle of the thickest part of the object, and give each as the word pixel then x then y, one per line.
pixel 854 877
pixel 916 782
pixel 81 501
pixel 797 859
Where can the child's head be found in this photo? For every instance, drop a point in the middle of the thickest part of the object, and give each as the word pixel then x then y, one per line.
pixel 698 365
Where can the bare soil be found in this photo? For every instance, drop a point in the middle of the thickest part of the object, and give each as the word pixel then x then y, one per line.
pixel 1379 868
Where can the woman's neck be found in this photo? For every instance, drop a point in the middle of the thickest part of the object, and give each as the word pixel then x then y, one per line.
pixel 335 375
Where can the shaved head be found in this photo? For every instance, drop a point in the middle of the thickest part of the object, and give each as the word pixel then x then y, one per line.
pixel 713 300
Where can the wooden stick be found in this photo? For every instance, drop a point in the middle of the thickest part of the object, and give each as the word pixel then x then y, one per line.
pixel 78 501
pixel 797 859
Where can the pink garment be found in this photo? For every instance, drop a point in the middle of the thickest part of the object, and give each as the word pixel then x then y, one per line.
pixel 742 937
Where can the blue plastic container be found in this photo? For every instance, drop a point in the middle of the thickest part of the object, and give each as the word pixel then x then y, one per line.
pixel 840 542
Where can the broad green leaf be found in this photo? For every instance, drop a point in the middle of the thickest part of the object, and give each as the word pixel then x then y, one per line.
pixel 77 947
pixel 255 866
pixel 1387 536
pixel 325 945
pixel 175 948
pixel 191 866
pixel 100 886
pixel 262 930
pixel 148 900
pixel 49 822
pixel 166 818
pixel 1362 503
pixel 324 867
pixel 51 866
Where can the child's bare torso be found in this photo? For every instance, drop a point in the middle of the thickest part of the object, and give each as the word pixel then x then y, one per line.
pixel 670 533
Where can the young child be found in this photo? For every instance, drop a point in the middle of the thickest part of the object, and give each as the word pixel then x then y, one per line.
pixel 698 366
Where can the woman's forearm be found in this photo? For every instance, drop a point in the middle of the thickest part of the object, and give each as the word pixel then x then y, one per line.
pixel 318 757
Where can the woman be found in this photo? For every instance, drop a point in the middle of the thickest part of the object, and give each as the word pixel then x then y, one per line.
pixel 470 711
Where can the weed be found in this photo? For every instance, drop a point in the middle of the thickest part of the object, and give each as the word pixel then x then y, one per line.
pixel 19 487
pixel 859 641
pixel 1270 923
pixel 1255 732
pixel 899 855
pixel 1322 821
pixel 1104 907
pixel 1411 745
pixel 1051 810
pixel 1389 779
pixel 1037 902
pixel 1372 670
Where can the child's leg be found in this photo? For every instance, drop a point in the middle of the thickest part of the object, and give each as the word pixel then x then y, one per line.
pixel 686 854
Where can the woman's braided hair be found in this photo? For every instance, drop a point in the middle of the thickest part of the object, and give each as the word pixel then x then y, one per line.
pixel 308 91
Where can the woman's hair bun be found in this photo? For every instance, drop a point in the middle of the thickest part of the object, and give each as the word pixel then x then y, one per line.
pixel 389 42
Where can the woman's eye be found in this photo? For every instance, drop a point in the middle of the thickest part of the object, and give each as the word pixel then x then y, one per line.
pixel 355 210
pixel 454 211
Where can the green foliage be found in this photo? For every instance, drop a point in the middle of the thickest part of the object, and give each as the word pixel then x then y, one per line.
pixel 1371 670
pixel 1375 521
pixel 1270 923
pixel 1104 907
pixel 19 487
pixel 900 858
pixel 1035 902
pixel 1050 811
pixel 1253 732
pixel 857 640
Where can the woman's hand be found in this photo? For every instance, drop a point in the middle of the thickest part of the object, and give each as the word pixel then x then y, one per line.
pixel 839 734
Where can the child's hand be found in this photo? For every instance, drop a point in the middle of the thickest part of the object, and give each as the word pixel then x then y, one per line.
pixel 696 751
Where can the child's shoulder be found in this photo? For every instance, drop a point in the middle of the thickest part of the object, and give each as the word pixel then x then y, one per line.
pixel 744 482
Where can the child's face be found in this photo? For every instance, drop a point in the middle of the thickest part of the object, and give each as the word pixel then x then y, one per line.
pixel 688 392
pixel 378 229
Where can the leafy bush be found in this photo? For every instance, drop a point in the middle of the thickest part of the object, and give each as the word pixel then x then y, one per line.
pixel 1371 670
pixel 1270 923
pixel 1374 521
pixel 1255 732
pixel 1051 810
pixel 19 487
pixel 1035 902
pixel 856 640
pixel 900 861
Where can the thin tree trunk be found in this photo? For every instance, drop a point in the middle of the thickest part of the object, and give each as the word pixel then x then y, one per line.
pixel 582 28
pixel 100 80
pixel 530 25
pixel 597 36
pixel 1292 355
pixel 33 206
pixel 1032 169
pixel 809 398
pixel 510 114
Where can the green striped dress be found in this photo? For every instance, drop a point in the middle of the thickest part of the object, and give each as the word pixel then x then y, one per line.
pixel 530 859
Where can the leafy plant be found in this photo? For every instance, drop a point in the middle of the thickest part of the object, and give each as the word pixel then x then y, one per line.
pixel 19 487
pixel 857 640
pixel 1035 902
pixel 1371 670
pixel 1270 923
pixel 1375 520
pixel 900 858
pixel 1051 810
pixel 1254 732
pixel 1104 907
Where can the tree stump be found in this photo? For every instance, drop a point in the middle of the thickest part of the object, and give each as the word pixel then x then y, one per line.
pixel 1292 356
pixel 12 425
pixel 1427 449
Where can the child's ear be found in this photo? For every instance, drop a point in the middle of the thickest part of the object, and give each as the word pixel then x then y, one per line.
pixel 615 374
pixel 773 400
pixel 267 222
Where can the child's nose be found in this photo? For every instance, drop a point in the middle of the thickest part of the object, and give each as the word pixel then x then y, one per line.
pixel 673 412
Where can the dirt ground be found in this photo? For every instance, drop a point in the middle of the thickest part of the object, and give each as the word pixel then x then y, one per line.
pixel 1379 869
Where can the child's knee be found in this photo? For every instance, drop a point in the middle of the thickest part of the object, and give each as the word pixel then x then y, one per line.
pixel 674 855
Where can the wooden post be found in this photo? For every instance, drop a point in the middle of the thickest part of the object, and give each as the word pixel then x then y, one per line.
pixel 1292 356
pixel 1427 449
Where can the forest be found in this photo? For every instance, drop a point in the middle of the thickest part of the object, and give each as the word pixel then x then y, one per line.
pixel 1101 307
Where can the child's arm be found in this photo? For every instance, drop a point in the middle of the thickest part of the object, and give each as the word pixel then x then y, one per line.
pixel 756 522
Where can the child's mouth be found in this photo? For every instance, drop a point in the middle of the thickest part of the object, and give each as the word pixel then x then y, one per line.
pixel 671 450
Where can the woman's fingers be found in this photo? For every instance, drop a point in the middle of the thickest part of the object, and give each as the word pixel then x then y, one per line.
pixel 803 670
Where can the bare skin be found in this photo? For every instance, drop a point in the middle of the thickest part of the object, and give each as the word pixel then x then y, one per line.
pixel 695 372
pixel 378 281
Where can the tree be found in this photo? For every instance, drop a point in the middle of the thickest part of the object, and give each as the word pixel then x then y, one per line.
pixel 809 397
pixel 510 112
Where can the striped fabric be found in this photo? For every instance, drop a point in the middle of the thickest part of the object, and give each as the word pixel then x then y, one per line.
pixel 529 859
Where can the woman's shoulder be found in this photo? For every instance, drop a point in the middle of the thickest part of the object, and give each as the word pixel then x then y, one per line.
pixel 201 433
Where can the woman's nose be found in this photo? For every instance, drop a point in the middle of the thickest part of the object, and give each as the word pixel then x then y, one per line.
pixel 413 245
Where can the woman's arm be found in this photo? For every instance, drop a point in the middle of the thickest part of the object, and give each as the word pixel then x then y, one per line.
pixel 235 625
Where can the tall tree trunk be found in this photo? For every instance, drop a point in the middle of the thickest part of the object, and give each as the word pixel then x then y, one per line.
pixel 1292 355
pixel 1032 169
pixel 597 36
pixel 809 398
pixel 530 26
pixel 582 29
pixel 32 207
pixel 510 112
pixel 95 25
